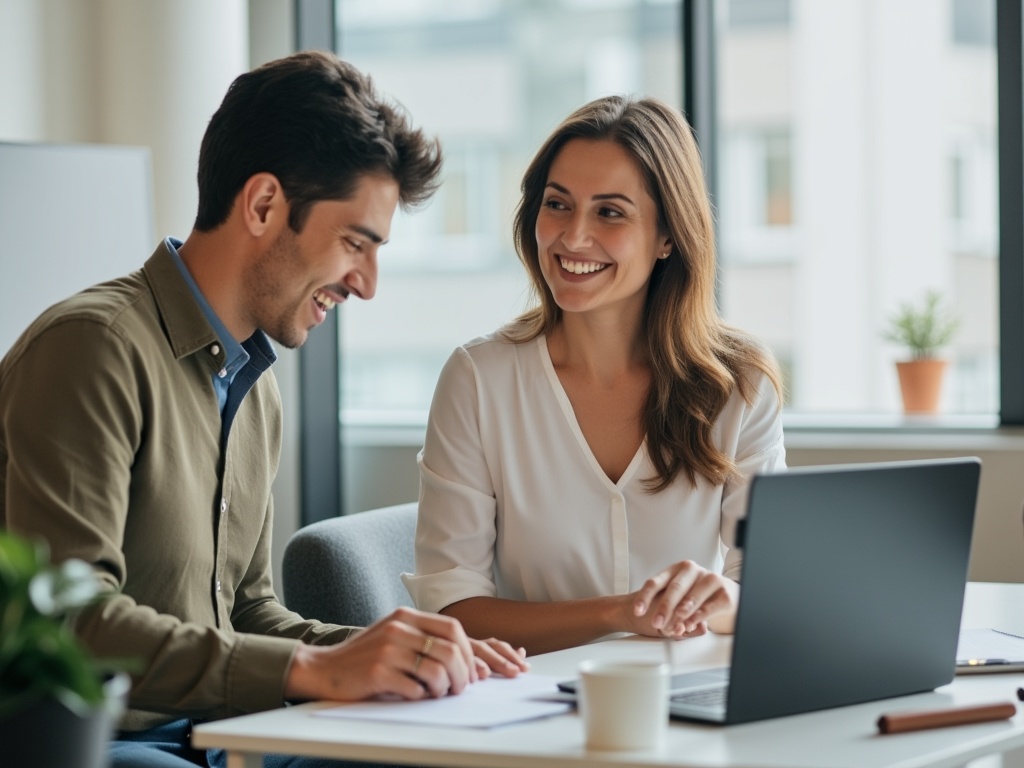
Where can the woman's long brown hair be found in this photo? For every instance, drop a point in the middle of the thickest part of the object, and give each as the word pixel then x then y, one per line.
pixel 696 360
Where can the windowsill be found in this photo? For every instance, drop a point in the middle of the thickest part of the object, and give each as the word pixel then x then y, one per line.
pixel 943 432
pixel 383 428
pixel 889 422
pixel 804 431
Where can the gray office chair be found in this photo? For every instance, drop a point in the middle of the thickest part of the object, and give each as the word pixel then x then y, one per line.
pixel 346 570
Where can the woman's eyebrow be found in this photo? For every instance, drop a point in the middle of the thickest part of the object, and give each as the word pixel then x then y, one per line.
pixel 605 196
pixel 613 196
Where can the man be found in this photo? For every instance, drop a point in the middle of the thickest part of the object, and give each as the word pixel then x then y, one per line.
pixel 140 428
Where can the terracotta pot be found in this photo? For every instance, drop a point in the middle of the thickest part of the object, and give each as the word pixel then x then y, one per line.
pixel 921 384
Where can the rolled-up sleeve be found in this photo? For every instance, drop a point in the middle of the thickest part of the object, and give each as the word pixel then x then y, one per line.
pixel 455 532
pixel 759 449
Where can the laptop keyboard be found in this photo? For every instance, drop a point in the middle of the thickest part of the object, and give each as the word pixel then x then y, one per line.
pixel 703 697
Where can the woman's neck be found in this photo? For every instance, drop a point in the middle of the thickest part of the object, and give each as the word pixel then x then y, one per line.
pixel 599 346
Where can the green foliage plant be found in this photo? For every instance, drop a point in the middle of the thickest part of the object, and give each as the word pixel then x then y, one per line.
pixel 39 654
pixel 924 328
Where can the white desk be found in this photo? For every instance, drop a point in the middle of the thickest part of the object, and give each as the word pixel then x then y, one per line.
pixel 844 738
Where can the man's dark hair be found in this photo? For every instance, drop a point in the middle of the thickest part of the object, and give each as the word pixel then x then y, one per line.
pixel 319 126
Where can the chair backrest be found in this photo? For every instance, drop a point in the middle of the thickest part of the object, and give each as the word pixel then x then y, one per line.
pixel 346 570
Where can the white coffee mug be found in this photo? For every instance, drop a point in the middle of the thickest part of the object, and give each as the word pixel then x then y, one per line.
pixel 624 704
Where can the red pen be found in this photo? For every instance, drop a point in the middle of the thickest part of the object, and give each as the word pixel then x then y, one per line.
pixel 898 722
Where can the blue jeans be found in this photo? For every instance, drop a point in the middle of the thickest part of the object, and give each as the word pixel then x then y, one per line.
pixel 169 746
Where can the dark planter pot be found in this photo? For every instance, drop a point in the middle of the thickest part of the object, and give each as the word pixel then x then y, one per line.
pixel 49 735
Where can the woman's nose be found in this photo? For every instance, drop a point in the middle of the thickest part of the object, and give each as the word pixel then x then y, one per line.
pixel 577 232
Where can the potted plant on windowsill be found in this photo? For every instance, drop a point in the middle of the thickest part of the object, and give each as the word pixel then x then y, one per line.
pixel 923 330
pixel 58 705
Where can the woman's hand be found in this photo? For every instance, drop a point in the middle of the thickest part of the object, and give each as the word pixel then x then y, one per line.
pixel 685 600
pixel 493 655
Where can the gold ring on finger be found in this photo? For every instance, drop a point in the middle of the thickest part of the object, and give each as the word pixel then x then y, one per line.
pixel 427 645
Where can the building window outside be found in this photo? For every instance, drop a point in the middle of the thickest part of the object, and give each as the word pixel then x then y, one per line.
pixel 758 13
pixel 974 22
pixel 858 171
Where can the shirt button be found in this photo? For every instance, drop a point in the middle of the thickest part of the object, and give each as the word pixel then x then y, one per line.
pixel 215 349
pixel 222 373
pixel 218 585
pixel 223 505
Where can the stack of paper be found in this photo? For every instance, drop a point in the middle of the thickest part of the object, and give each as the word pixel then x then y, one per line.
pixel 485 704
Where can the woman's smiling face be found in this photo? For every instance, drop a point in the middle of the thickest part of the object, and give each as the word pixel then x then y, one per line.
pixel 597 230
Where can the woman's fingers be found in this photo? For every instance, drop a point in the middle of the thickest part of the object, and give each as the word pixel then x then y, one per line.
pixel 706 596
pixel 680 599
pixel 501 657
pixel 649 591
pixel 663 592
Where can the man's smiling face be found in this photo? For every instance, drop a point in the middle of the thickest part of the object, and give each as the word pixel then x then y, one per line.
pixel 301 276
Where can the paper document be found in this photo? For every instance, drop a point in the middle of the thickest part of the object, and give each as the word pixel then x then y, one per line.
pixel 485 704
pixel 989 650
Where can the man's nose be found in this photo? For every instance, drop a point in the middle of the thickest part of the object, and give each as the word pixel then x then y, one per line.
pixel 363 279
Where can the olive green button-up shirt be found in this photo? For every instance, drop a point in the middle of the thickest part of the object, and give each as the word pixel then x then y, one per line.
pixel 110 450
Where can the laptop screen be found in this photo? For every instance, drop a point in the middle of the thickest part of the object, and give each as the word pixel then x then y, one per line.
pixel 853 582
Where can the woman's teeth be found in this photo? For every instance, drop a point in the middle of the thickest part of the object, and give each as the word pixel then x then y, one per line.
pixel 581 267
pixel 325 301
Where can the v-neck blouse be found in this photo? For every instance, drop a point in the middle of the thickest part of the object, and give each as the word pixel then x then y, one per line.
pixel 514 504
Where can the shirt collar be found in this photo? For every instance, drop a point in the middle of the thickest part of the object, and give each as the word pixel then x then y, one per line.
pixel 235 356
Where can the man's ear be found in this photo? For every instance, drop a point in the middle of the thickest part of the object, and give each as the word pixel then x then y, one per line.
pixel 262 204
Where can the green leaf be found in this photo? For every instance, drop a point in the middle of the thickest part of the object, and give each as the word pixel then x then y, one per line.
pixel 58 591
pixel 39 654
pixel 924 328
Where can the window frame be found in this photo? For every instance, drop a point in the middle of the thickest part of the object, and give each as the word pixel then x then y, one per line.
pixel 1010 163
pixel 319 377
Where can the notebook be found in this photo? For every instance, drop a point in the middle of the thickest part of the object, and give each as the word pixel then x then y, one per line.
pixel 989 650
pixel 853 587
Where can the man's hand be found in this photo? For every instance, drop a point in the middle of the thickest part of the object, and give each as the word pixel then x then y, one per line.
pixel 410 654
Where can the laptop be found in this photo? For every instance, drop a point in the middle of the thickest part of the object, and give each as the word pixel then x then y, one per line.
pixel 853 587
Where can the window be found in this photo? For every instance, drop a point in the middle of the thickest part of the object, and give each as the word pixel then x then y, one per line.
pixel 856 169
pixel 857 159
pixel 853 157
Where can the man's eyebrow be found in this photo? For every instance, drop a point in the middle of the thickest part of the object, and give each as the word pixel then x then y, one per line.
pixel 368 233
pixel 607 196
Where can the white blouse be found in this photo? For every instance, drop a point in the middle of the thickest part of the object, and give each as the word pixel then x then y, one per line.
pixel 513 503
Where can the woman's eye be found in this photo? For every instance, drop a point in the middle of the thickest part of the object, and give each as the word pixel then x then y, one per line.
pixel 555 205
pixel 610 213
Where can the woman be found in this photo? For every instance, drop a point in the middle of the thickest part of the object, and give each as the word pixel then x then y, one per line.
pixel 585 466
